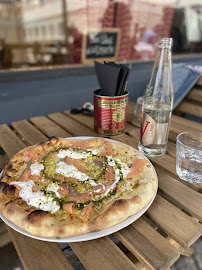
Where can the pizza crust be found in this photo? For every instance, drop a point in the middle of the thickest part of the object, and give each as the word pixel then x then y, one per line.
pixel 44 224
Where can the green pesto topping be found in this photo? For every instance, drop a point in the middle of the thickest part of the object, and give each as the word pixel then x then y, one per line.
pixel 96 173
pixel 109 195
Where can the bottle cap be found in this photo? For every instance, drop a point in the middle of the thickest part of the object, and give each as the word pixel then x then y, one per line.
pixel 166 43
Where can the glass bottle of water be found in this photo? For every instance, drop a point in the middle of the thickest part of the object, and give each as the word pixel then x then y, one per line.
pixel 157 104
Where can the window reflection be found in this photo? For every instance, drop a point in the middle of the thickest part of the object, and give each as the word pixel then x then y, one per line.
pixel 51 32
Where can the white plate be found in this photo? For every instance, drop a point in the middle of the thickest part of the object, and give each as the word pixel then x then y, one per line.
pixel 92 235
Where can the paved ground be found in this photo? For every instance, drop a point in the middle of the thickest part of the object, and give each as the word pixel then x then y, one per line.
pixel 33 93
pixel 9 259
pixel 193 262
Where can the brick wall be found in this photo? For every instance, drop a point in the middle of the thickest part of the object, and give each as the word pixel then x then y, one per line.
pixel 133 17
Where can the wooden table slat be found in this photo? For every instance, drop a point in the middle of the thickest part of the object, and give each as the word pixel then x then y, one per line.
pixel 171 149
pixel 172 136
pixel 138 264
pixel 133 131
pixel 28 132
pixel 186 198
pixel 2 226
pixel 130 117
pixel 102 254
pixel 9 141
pixel 70 125
pixel 39 255
pixel 179 127
pixel 148 245
pixel 195 95
pixel 180 121
pixel 189 108
pixel 3 161
pixel 83 119
pixel 48 127
pixel 199 82
pixel 171 220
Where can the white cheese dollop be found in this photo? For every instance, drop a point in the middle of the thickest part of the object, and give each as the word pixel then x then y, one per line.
pixel 70 171
pixel 94 151
pixel 72 154
pixel 36 199
pixel 54 187
pixel 67 153
pixel 124 169
pixel 92 183
pixel 111 161
pixel 36 168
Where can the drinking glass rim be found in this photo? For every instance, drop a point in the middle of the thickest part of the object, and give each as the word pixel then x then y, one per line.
pixel 185 132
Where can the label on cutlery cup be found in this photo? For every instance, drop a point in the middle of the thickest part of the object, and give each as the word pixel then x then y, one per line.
pixel 110 114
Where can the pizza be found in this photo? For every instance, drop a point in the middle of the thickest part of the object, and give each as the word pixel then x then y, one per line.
pixel 67 187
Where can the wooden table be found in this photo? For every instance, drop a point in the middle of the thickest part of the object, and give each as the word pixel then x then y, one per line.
pixel 155 241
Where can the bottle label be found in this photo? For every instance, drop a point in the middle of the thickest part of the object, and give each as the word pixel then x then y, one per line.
pixel 152 132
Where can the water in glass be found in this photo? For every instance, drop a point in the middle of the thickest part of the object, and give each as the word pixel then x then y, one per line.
pixel 189 157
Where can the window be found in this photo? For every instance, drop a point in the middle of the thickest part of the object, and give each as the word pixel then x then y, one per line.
pixel 140 22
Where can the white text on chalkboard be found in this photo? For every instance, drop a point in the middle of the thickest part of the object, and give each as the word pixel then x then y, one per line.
pixel 102 39
pixel 100 50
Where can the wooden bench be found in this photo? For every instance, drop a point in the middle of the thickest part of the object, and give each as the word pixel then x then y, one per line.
pixel 192 103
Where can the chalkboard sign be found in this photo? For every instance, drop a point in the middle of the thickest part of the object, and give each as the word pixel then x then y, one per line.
pixel 100 45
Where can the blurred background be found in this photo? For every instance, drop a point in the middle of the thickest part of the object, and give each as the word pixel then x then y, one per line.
pixel 42 33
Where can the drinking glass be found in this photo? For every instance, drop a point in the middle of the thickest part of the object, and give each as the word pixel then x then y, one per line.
pixel 189 156
pixel 138 112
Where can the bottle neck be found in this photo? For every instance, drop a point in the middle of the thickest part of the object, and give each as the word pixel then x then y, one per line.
pixel 164 56
pixel 166 43
pixel 160 86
